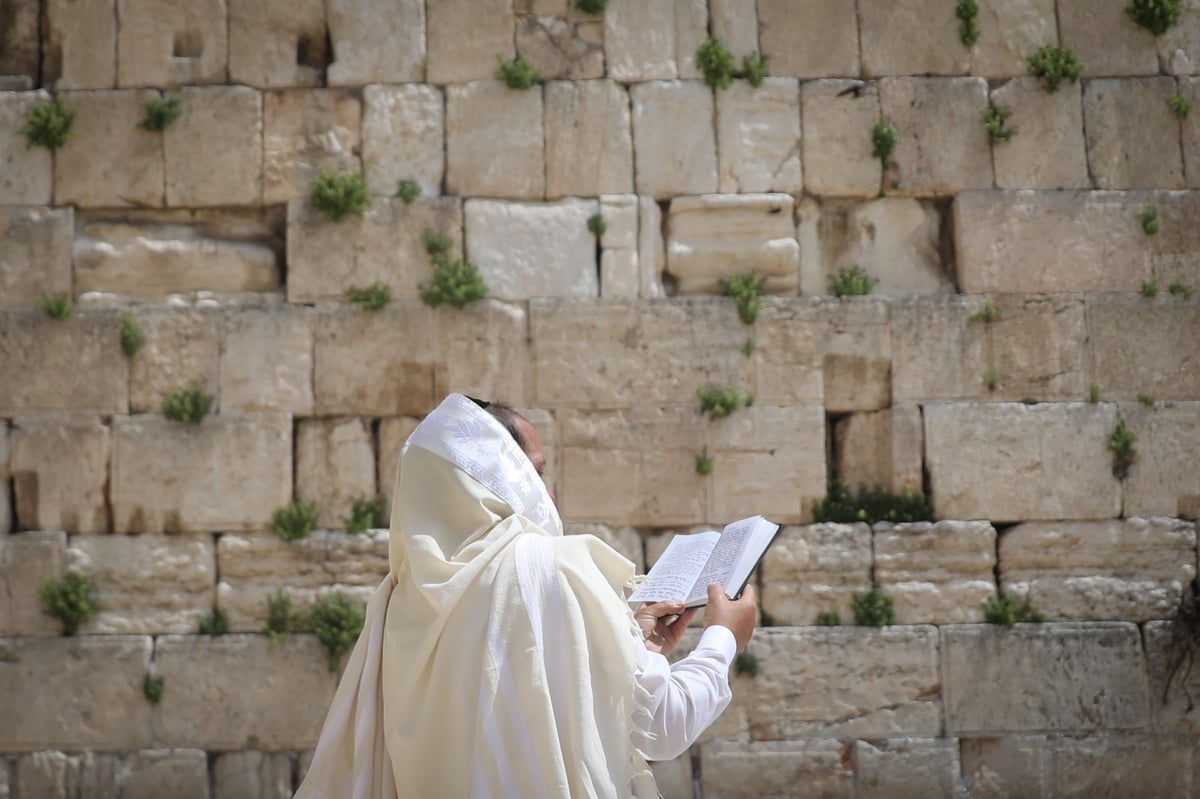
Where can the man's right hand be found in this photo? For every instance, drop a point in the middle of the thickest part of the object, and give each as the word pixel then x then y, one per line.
pixel 739 615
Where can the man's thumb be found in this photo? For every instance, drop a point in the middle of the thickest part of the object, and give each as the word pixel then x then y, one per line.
pixel 715 593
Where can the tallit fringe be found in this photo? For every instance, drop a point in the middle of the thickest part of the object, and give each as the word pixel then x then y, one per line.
pixel 639 778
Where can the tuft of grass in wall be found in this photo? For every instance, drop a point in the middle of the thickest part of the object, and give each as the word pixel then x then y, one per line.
pixel 883 144
pixel 967 12
pixel 160 113
pixel 188 405
pixel 1178 289
pixel 408 191
pixel 829 618
pixel 517 73
pixel 748 347
pixel 993 379
pixel 58 308
pixel 48 124
pixel 852 282
pixel 366 513
pixel 596 225
pixel 1180 106
pixel 1004 610
pixel 281 617
pixel 152 687
pixel 1156 16
pixel 295 520
pixel 339 194
pixel 1094 393
pixel 337 621
pixel 374 297
pixel 1121 443
pixel 747 664
pixel 455 282
pixel 995 119
pixel 873 608
pixel 1149 219
pixel 593 7
pixel 69 599
pixel 984 313
pixel 754 69
pixel 213 624
pixel 1146 399
pixel 436 244
pixel 720 402
pixel 131 335
pixel 715 62
pixel 1054 65
pixel 704 465
pixel 747 292
pixel 844 506
pixel 1150 289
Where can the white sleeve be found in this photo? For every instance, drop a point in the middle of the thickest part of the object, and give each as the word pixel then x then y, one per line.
pixel 684 698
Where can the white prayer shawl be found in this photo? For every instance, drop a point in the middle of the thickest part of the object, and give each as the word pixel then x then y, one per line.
pixel 498 658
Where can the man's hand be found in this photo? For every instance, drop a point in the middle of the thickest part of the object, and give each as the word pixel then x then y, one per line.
pixel 661 632
pixel 739 615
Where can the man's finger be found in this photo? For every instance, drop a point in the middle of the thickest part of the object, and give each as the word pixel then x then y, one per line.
pixel 684 619
pixel 715 593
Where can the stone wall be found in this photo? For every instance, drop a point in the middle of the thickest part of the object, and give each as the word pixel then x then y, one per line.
pixel 1011 325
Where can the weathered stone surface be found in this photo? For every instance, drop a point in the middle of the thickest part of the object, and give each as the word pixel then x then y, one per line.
pixel 838 118
pixel 180 347
pixel 559 48
pixel 653 41
pixel 240 691
pixel 1164 479
pixel 26 559
pixel 996 768
pixel 104 709
pixel 483 350
pixel 26 173
pixel 907 767
pixel 6 780
pixel 652 251
pixel 56 775
pixel 620 266
pixel 880 448
pixel 1047 151
pixel 589 140
pixel 1179 47
pixel 266 360
pixel 374 44
pixel 673 778
pixel 619 274
pixel 70 365
pixel 403 135
pixel 819 42
pixel 738 770
pixel 6 509
pixel 789 342
pixel 81 44
pixel 857 349
pixel 1123 569
pixel 936 573
pixel 35 254
pixel 192 148
pixel 307 132
pixel 910 37
pixel 60 473
pixel 250 773
pixel 335 464
pixel 941 146
pixel 1189 89
pixel 1173 681
pixel 735 24
pixel 1008 33
pixel 1010 461
pixel 494 141
pixel 19 39
pixel 170 42
pixel 165 772
pixel 1090 676
pixel 1105 40
pixel 1113 766
pixel 230 472
pixel 1123 367
pixel 758 137
pixel 392 435
pixel 526 250
pixel 109 160
pixel 815 569
pixel 675 145
pixel 1132 133
pixel 464 37
pixel 275 44
pixel 625 540
pixel 1038 347
pixel 713 237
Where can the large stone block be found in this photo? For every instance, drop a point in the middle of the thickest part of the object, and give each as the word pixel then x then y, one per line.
pixel 19 39
pixel 165 772
pixel 465 37
pixel 620 266
pixel 1091 676
pixel 230 472
pixel 307 132
pixel 60 473
pixel 81 44
pixel 6 509
pixel 561 48
pixel 1189 89
pixel 267 359
pixel 1111 766
pixel 735 24
pixel 1105 40
pixel 674 778
pixel 483 350
pixel 171 42
pixel 393 433
pixel 880 448
pixel 335 464
pixel 1132 133
pixel 1008 33
pixel 739 770
pixel 936 573
pixel 653 40
pixel 56 775
pixel 1000 767
pixel 857 354
pixel 70 365
pixel 652 249
pixel 249 774
pixel 816 569
pixel 626 540
pixel 26 559
pixel 26 172
pixel 403 138
pixel 1011 461
pixel 526 250
pixel 239 691
pixel 280 43
pixel 180 347
pixel 494 141
pixel 381 43
pixel 789 344
pixel 589 139
pixel 1038 348
pixel 907 767
pixel 1048 149
pixel 1125 365
pixel 35 254
pixel 936 352
pixel 1164 479
pixel 105 708
pixel 910 37
pixel 941 146
pixel 814 39
pixel 1170 659
pixel 218 125
pixel 675 144
pixel 758 133
pixel 839 116
pixel 109 161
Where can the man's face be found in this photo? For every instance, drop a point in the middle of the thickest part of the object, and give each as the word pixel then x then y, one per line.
pixel 533 449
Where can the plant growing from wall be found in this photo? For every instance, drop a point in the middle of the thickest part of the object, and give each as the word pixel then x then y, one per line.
pixel 408 191
pixel 995 119
pixel 720 402
pixel 281 617
pixel 160 113
pixel 366 513
pixel 967 12
pixel 704 465
pixel 456 281
pixel 870 505
pixel 295 520
pixel 754 69
pixel 1155 16
pixel 337 621
pixel 993 379
pixel 188 405
pixel 829 618
pixel 1094 393
pixel 747 292
pixel 374 297
pixel 517 73
pixel 883 144
pixel 593 7
pixel 69 599
pixel 437 245
pixel 1180 106
pixel 1146 399
pixel 213 624
pixel 852 282
pixel 131 335
pixel 873 608
pixel 152 687
pixel 1054 65
pixel 56 307
pixel 1150 289
pixel 985 313
pixel 747 664
pixel 48 124
pixel 1178 289
pixel 1007 611
pixel 748 347
pixel 715 63
pixel 1121 443
pixel 338 194
pixel 1149 219
pixel 596 225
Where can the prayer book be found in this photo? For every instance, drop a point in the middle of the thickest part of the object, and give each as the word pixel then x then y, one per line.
pixel 691 562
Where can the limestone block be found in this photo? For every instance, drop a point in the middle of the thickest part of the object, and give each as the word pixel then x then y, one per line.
pixel 735 24
pixel 715 236
pixel 109 160
pixel 307 132
pixel 675 146
pixel 494 140
pixel 880 448
pixel 392 435
pixel 620 212
pixel 1048 151
pixel 651 248
pixel 240 775
pixel 1132 133
pixel 6 509
pixel 104 709
pixel 55 775
pixel 26 173
pixel 1122 765
pixel 166 43
pixel 818 39
pixel 70 365
pixel 359 371
pixel 279 43
pixel 941 145
pixel 589 140
pixel 625 540
pixel 815 569
pixel 465 37
pixel 483 350
pixel 1039 347
pixel 1163 479
pixel 619 273
pixel 739 770
pixel 1179 47
pixel 26 559
pixel 1125 366
pixel 673 778
pixel 857 345
pixel 81 44
pixel 180 347
pixel 1105 40
pixel 936 573
pixel 1189 89
pixel 335 464
pixel 165 772
pixel 839 116
pixel 995 768
pixel 1008 33
pixel 1011 461
pixel 1172 683
pixel 384 245
pixel 385 42
pixel 19 40
pixel 223 126
pixel 6 779
pixel 266 360
pixel 403 138
pixel 758 137
pixel 559 48
pixel 654 40
pixel 907 767
pixel 910 37
pixel 789 339
pixel 230 472
pixel 35 254
pixel 1090 676
pixel 60 471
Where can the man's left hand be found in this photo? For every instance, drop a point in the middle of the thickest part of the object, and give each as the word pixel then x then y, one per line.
pixel 663 624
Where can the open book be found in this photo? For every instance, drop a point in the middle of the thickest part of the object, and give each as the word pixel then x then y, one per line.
pixel 691 562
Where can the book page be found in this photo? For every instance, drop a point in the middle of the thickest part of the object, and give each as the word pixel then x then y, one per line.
pixel 675 571
pixel 757 539
pixel 721 562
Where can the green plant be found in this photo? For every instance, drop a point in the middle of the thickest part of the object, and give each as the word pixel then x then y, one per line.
pixel 747 664
pixel 746 291
pixel 995 119
pixel 372 298
pixel 517 73
pixel 596 225
pixel 1146 399
pixel 188 405
pixel 436 244
pixel 873 608
pixel 754 69
pixel 715 63
pixel 829 618
pixel 1094 393
pixel 58 308
pixel 870 505
pixel 748 347
pixel 366 513
pixel 1149 219
pixel 281 619
pixel 984 313
pixel 1150 288
pixel 160 112
pixel 295 520
pixel 337 194
pixel 131 335
pixel 213 624
pixel 704 465
pixel 1180 106
pixel 1001 609
pixel 992 379
pixel 968 26
pixel 408 191
pixel 337 621
pixel 1155 16
pixel 593 7
pixel 152 687
pixel 1054 65
pixel 70 600
pixel 1178 289
pixel 883 140
pixel 455 282
pixel 1121 441
pixel 852 282
pixel 48 124
pixel 720 402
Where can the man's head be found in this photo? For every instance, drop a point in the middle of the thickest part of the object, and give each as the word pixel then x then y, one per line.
pixel 522 432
